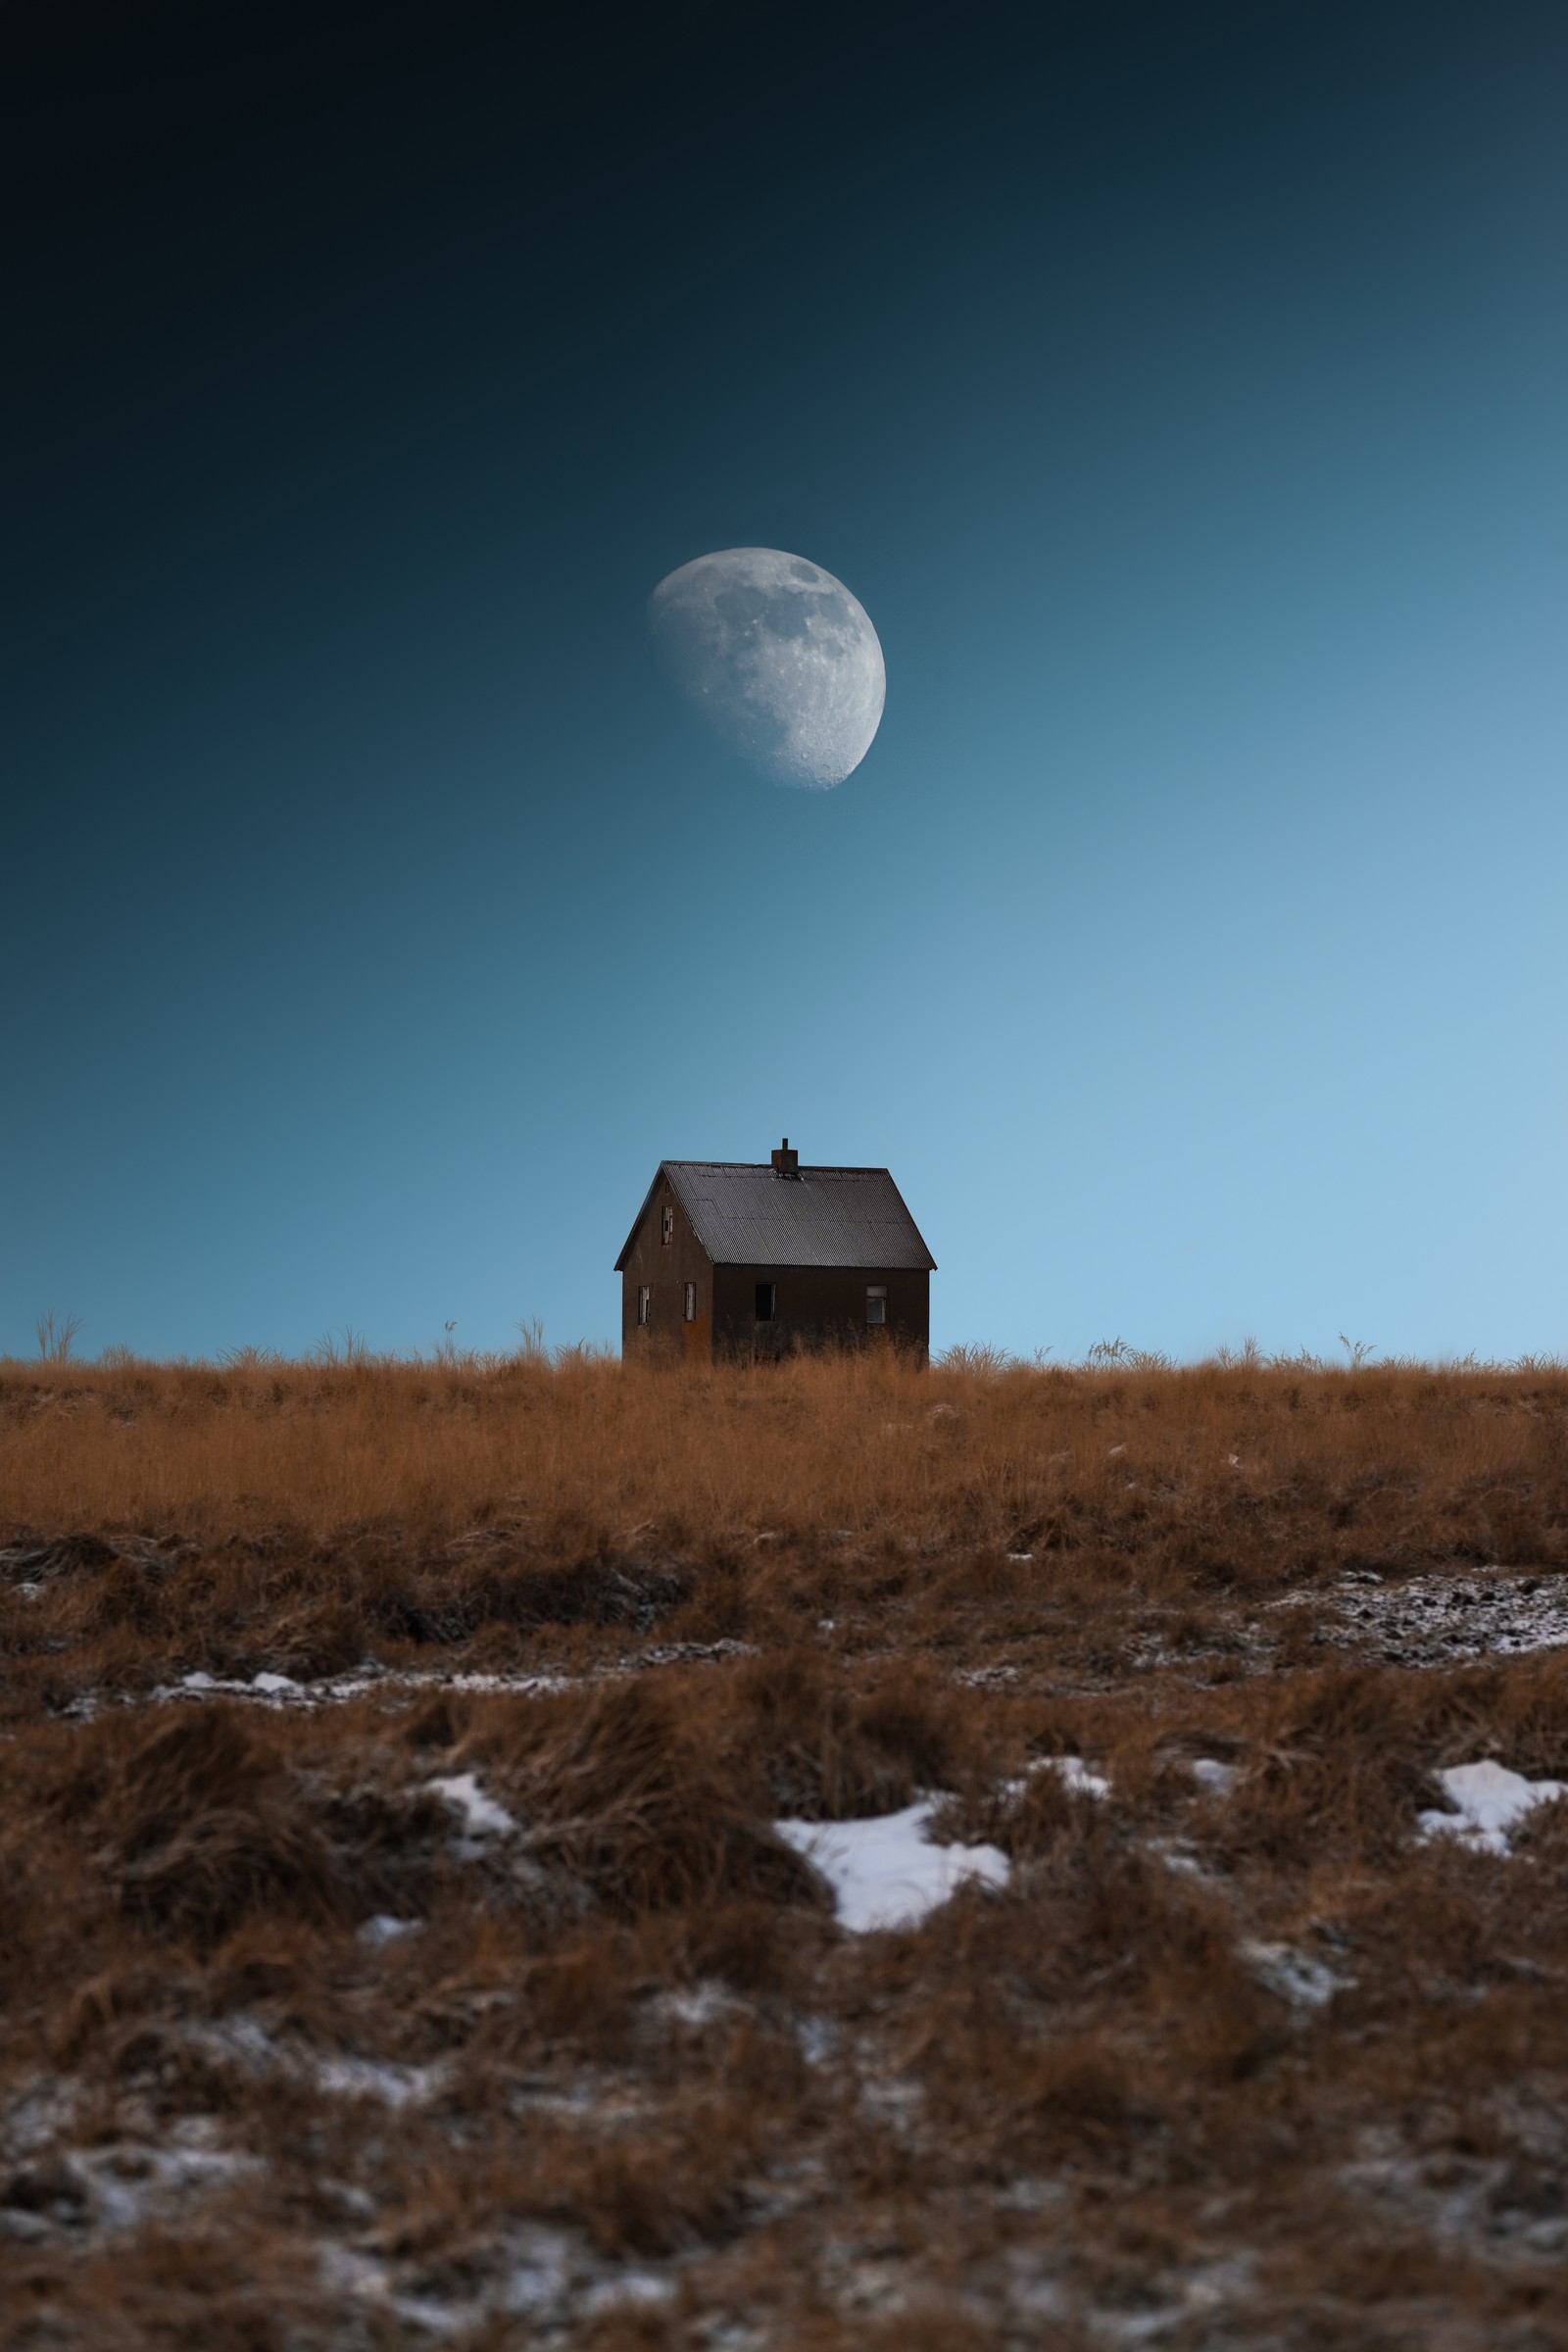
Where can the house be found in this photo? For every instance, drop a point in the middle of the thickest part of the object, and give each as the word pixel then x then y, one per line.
pixel 727 1259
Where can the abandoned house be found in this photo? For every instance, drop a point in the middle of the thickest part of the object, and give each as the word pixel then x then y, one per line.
pixel 726 1259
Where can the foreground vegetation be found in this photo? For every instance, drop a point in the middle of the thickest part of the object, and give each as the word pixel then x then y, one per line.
pixel 298 2047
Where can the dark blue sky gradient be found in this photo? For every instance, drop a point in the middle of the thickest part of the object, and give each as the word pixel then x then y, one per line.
pixel 1182 393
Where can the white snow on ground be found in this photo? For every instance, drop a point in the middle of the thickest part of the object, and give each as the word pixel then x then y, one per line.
pixel 698 2005
pixel 482 1817
pixel 628 2291
pixel 1294 1976
pixel 818 2038
pixel 1071 1771
pixel 544 2275
pixel 884 1872
pixel 542 2272
pixel 130 2182
pixel 1437 1620
pixel 114 2185
pixel 373 2079
pixel 1491 1801
pixel 282 1691
pixel 1209 1773
pixel 383 1926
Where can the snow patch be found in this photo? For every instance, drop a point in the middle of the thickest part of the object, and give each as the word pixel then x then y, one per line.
pixel 123 2183
pixel 1435 1620
pixel 818 2038
pixel 540 2273
pixel 885 1872
pixel 628 2291
pixel 1294 1976
pixel 1489 1801
pixel 1073 1773
pixel 697 2006
pixel 382 1927
pixel 482 1817
pixel 282 1691
pixel 375 2079
pixel 546 2278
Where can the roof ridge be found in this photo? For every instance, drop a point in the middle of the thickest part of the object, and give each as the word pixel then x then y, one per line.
pixel 763 1167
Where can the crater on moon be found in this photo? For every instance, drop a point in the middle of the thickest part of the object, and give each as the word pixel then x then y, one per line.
pixel 777 656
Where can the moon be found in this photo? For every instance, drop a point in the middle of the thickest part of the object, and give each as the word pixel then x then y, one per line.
pixel 779 659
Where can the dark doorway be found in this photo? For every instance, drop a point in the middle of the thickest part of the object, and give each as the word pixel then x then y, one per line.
pixel 766 1300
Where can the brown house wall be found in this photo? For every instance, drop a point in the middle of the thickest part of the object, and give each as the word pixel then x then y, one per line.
pixel 816 1305
pixel 666 1268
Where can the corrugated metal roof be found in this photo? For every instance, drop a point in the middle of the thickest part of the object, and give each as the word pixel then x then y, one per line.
pixel 750 1216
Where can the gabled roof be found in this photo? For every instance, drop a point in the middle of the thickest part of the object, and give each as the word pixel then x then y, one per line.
pixel 752 1216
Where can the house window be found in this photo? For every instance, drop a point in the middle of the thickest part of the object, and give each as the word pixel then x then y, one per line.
pixel 690 1308
pixel 644 1301
pixel 668 1227
pixel 876 1303
pixel 766 1301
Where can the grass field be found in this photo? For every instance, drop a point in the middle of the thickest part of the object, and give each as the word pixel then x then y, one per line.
pixel 397 1946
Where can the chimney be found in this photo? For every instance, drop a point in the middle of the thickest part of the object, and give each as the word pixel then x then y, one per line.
pixel 785 1161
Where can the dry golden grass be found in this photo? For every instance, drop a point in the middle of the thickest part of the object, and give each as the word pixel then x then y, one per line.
pixel 1254 2066
pixel 867 1443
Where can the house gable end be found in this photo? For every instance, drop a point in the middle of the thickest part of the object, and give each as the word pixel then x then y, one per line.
pixel 664 1173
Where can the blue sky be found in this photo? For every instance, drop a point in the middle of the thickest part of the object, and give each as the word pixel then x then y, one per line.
pixel 1185 404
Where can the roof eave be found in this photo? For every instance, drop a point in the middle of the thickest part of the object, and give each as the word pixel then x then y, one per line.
pixel 816 1265
pixel 931 1263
